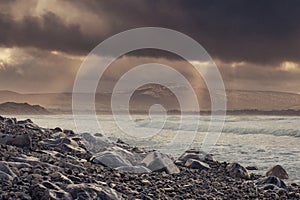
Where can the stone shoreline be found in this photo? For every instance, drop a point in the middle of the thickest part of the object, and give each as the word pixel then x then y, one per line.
pixel 39 163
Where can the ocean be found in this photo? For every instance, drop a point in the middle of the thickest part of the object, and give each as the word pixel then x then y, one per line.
pixel 261 141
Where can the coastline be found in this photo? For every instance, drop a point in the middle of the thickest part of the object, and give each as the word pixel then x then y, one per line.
pixel 56 163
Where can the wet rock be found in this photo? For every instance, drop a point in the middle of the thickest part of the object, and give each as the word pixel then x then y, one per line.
pixel 26 121
pixel 236 170
pixel 22 141
pixel 5 169
pixel 63 145
pixel 69 132
pixel 271 180
pixel 159 162
pixel 46 191
pixel 196 155
pixel 252 168
pixel 57 135
pixel 119 141
pixel 57 129
pixel 10 121
pixel 134 169
pixel 196 164
pixel 5 177
pixel 61 178
pixel 92 191
pixel 28 124
pixel 278 171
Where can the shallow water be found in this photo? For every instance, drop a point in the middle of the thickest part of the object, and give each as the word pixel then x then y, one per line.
pixel 261 141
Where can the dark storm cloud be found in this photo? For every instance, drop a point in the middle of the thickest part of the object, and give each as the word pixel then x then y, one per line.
pixel 234 30
pixel 265 32
pixel 46 32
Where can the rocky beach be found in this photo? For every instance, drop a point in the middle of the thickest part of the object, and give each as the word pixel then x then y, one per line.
pixel 42 163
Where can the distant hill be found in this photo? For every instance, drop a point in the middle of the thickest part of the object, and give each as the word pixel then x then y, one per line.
pixel 12 108
pixel 145 96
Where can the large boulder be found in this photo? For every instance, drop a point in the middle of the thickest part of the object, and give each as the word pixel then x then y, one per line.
pixel 134 158
pixel 278 171
pixel 110 159
pixel 196 164
pixel 134 169
pixel 95 143
pixel 156 161
pixel 236 170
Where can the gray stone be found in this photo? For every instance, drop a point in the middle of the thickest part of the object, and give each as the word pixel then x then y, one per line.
pixel 156 161
pixel 134 169
pixel 95 144
pixel 110 159
pixel 278 171
pixel 236 170
pixel 196 164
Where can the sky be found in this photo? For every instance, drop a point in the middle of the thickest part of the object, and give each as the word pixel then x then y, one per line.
pixel 255 44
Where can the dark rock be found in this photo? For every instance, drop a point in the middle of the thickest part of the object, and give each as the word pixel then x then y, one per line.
pixel 42 192
pixel 92 191
pixel 22 141
pixel 27 121
pixel 98 135
pixel 156 161
pixel 271 180
pixel 63 145
pixel 4 168
pixel 5 177
pixel 196 155
pixel 69 132
pixel 196 164
pixel 119 141
pixel 57 129
pixel 278 171
pixel 236 170
pixel 252 168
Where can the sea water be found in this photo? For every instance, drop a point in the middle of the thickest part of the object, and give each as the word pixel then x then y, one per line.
pixel 262 141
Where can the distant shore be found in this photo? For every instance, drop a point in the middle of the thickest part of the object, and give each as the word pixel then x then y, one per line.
pixel 288 112
pixel 12 108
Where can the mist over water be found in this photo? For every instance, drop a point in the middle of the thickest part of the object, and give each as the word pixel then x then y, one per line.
pixel 261 141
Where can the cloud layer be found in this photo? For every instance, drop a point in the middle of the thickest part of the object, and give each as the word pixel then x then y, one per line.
pixel 255 44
